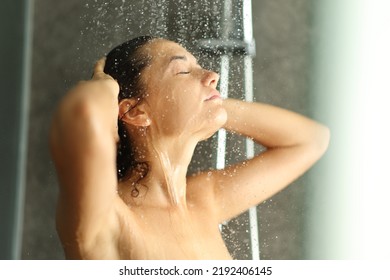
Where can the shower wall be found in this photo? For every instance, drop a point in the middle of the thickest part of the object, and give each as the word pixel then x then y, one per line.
pixel 283 31
pixel 69 36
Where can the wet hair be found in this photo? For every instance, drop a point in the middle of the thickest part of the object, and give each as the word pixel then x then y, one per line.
pixel 125 64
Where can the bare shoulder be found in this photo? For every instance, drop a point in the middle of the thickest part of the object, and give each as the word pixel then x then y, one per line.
pixel 200 189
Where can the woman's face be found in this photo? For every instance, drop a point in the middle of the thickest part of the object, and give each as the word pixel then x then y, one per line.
pixel 181 97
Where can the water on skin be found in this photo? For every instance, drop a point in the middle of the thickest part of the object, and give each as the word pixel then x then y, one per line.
pixel 198 19
pixel 171 174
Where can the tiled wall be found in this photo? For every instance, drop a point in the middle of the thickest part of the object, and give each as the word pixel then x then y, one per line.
pixel 70 35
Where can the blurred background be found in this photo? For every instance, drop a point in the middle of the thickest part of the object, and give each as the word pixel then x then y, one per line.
pixel 325 59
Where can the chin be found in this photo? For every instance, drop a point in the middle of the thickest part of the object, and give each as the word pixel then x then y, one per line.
pixel 215 123
pixel 221 117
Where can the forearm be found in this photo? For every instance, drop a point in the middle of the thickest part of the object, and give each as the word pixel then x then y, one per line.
pixel 272 126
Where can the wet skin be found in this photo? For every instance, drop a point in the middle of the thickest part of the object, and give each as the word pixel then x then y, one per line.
pixel 173 216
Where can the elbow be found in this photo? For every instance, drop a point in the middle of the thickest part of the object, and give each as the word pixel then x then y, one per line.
pixel 321 139
pixel 315 146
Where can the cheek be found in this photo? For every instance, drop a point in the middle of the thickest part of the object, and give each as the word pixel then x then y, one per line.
pixel 175 110
pixel 186 110
pixel 183 100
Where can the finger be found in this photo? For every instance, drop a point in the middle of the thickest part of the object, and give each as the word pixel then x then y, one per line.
pixel 99 66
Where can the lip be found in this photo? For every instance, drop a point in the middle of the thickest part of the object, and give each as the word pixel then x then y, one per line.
pixel 214 94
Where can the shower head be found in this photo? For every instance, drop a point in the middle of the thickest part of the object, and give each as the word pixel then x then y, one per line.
pixel 227 46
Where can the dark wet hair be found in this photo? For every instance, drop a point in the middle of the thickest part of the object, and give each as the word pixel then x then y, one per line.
pixel 125 64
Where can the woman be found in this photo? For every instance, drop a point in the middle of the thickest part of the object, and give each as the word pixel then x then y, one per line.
pixel 167 104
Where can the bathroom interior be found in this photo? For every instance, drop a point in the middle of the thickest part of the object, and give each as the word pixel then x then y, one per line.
pixel 302 55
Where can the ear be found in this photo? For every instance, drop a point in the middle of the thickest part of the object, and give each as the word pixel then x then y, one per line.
pixel 133 113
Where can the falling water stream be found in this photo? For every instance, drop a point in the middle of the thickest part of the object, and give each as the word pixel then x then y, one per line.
pixel 189 22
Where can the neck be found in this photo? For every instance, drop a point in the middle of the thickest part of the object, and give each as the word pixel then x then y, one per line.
pixel 168 159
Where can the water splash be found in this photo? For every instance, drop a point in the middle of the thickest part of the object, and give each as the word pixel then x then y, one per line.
pixel 106 24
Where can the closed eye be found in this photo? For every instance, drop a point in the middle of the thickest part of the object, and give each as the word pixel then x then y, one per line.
pixel 183 72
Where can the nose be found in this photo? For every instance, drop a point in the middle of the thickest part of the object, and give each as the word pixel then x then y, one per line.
pixel 210 78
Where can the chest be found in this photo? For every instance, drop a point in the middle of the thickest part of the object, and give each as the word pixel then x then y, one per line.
pixel 172 235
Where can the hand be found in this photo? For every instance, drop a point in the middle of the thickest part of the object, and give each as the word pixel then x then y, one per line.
pixel 99 75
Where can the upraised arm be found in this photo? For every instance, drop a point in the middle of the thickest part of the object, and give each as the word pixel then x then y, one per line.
pixel 294 143
pixel 83 146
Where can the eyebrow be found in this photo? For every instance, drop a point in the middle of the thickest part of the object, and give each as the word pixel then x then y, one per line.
pixel 178 57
